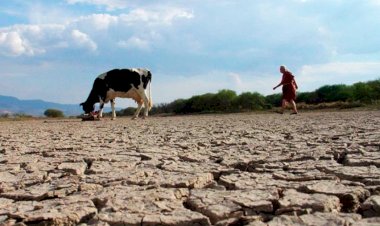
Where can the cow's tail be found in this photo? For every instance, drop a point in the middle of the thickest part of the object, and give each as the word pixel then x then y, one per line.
pixel 150 93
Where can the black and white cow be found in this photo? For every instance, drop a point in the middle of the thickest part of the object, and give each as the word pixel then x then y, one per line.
pixel 126 83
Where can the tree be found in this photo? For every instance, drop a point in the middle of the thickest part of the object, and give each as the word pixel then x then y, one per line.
pixel 54 113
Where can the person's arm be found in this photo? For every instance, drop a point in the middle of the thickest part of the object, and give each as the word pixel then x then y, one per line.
pixel 277 86
pixel 281 83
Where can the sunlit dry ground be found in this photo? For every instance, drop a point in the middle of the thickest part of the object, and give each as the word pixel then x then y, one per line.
pixel 238 169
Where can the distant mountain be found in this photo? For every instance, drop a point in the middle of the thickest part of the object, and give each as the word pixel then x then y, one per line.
pixel 12 105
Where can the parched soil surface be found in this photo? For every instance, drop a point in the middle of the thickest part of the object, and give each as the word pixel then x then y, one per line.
pixel 241 169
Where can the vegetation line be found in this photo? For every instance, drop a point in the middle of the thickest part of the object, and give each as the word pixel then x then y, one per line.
pixel 329 96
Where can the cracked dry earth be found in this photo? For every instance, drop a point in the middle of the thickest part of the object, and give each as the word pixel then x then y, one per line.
pixel 320 168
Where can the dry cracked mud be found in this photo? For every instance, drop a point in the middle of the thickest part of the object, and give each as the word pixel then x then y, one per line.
pixel 320 168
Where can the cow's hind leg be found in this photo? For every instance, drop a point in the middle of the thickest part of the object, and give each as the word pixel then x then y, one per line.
pixel 113 109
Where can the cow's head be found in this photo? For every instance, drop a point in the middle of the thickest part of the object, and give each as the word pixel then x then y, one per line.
pixel 88 107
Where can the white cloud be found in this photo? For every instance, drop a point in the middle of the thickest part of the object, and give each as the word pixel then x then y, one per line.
pixel 82 40
pixel 32 40
pixel 12 44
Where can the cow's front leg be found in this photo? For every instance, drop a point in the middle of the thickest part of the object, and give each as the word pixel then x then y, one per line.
pixel 145 100
pixel 137 112
pixel 100 114
pixel 113 109
pixel 146 106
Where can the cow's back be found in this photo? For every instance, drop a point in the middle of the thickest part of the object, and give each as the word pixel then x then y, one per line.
pixel 121 79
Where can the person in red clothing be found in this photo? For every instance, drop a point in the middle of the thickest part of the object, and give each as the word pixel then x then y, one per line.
pixel 289 87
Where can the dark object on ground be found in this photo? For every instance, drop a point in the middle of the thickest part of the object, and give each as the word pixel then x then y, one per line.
pixel 90 117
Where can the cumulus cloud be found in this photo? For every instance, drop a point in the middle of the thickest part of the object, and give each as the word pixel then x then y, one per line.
pixel 12 44
pixel 32 40
pixel 21 40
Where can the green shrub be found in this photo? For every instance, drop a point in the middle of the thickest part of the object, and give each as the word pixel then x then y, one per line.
pixel 54 113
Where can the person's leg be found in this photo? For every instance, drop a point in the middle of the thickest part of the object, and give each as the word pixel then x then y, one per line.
pixel 283 105
pixel 294 106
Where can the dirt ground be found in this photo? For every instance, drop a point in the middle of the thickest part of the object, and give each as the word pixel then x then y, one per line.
pixel 315 168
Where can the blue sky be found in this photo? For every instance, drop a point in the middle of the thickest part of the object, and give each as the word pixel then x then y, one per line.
pixel 53 50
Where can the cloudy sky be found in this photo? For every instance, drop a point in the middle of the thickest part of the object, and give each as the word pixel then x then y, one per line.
pixel 53 49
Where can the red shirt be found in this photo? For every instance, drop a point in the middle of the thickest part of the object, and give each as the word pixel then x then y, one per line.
pixel 288 86
pixel 287 78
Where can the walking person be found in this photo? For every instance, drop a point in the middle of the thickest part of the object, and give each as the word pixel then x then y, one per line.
pixel 289 87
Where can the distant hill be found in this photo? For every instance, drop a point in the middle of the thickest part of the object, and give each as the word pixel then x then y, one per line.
pixel 13 105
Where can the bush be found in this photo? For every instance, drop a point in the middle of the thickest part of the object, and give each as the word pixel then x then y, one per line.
pixel 5 115
pixel 307 97
pixel 201 103
pixel 54 113
pixel 223 100
pixel 178 106
pixel 273 100
pixel 375 89
pixel 333 93
pixel 363 92
pixel 250 101
pixel 125 112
